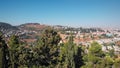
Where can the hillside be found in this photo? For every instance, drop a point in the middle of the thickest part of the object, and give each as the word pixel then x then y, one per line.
pixel 32 27
pixel 6 28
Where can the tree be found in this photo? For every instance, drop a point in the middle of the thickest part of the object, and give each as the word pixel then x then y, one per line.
pixel 13 50
pixel 117 63
pixel 78 58
pixel 94 57
pixel 108 62
pixel 70 55
pixel 70 51
pixel 25 56
pixel 3 53
pixel 46 51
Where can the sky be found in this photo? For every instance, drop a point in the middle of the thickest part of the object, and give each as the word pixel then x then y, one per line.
pixel 76 13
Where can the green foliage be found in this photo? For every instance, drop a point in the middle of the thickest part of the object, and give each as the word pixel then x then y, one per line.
pixel 78 58
pixel 3 53
pixel 95 49
pixel 111 53
pixel 47 50
pixel 108 61
pixel 94 56
pixel 116 63
pixel 25 58
pixel 14 42
pixel 49 53
pixel 13 51
pixel 70 55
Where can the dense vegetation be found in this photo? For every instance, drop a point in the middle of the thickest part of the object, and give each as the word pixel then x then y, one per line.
pixel 47 52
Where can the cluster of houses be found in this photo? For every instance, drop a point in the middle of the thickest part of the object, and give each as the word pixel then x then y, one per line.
pixel 107 39
pixel 30 32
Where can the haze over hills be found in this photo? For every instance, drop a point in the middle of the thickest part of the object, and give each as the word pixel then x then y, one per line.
pixel 4 25
pixel 6 28
pixel 32 26
pixel 9 29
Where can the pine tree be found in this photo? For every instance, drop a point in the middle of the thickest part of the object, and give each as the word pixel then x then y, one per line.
pixel 68 53
pixel 116 63
pixel 3 53
pixel 25 58
pixel 13 50
pixel 47 49
pixel 94 56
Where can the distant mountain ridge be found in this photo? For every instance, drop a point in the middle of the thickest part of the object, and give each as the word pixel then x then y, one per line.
pixel 8 29
pixel 32 26
pixel 5 27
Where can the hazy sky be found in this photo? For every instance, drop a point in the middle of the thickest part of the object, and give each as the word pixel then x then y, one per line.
pixel 86 13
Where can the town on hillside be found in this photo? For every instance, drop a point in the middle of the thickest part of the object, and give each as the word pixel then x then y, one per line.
pixel 37 47
pixel 30 32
